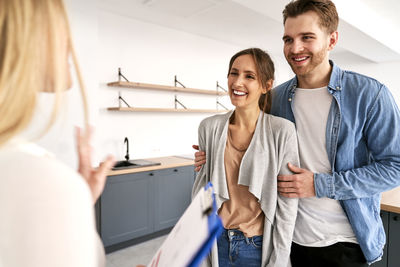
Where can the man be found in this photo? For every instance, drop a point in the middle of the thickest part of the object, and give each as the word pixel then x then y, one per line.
pixel 349 144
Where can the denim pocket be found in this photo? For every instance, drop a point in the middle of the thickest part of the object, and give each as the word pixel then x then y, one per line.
pixel 256 241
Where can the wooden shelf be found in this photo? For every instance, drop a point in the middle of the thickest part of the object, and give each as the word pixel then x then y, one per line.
pixel 166 110
pixel 165 88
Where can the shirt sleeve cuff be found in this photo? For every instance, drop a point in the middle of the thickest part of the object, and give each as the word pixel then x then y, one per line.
pixel 323 183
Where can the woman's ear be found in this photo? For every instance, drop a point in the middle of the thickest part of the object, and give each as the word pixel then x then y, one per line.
pixel 270 83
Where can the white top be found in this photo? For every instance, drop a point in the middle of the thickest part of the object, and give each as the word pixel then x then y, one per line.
pixel 47 215
pixel 320 221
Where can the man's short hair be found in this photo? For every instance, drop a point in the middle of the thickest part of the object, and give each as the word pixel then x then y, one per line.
pixel 325 9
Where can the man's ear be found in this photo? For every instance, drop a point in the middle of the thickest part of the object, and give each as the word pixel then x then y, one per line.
pixel 333 39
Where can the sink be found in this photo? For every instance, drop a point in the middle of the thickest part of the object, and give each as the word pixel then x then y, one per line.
pixel 137 163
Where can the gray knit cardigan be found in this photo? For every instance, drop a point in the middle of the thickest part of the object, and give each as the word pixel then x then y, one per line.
pixel 273 146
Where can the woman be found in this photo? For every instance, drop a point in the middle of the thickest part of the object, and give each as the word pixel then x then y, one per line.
pixel 47 208
pixel 245 151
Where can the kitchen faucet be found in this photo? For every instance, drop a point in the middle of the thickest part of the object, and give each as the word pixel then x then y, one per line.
pixel 127 148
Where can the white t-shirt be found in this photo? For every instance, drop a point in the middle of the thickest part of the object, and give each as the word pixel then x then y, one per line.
pixel 320 221
pixel 47 215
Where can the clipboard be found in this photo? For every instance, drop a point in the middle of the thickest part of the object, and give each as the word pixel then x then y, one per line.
pixel 192 237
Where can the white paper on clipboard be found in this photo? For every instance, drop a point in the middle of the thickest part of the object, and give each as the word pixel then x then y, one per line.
pixel 191 232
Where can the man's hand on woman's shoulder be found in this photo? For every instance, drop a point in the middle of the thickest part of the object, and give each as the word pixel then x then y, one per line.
pixel 199 158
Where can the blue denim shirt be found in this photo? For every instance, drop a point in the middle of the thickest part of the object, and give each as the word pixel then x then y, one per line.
pixel 363 145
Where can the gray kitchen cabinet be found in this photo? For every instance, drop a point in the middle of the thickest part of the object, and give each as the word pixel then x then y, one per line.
pixel 139 204
pixel 172 195
pixel 126 207
pixel 391 256
pixel 394 240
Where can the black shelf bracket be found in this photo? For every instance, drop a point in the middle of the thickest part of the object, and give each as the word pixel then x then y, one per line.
pixel 219 103
pixel 121 99
pixel 178 82
pixel 178 102
pixel 220 87
pixel 121 75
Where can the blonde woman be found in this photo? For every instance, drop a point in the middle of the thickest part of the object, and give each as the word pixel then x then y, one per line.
pixel 47 216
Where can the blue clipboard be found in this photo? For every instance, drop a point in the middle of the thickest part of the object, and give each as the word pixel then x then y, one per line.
pixel 215 229
pixel 196 230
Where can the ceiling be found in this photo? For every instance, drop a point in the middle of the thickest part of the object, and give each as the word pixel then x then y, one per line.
pixel 368 29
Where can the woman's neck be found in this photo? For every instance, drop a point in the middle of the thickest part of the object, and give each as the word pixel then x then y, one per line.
pixel 246 118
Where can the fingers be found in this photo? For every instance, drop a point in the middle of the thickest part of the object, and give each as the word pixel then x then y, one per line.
pixel 95 178
pixel 200 154
pixel 106 165
pixel 77 131
pixel 84 151
pixel 83 140
pixel 98 177
pixel 288 186
pixel 286 178
pixel 199 160
pixel 287 190
pixel 90 132
pixel 84 135
pixel 290 195
pixel 199 163
pixel 294 168
pixel 299 185
pixel 78 137
pixel 196 147
pixel 100 173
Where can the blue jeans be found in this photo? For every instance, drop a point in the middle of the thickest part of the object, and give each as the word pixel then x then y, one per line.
pixel 235 249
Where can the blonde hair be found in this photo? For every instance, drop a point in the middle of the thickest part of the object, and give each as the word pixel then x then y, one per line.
pixel 31 33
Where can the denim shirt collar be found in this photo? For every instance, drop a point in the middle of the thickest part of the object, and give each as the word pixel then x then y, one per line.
pixel 335 81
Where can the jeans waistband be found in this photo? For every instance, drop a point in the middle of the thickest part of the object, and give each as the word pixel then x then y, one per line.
pixel 237 235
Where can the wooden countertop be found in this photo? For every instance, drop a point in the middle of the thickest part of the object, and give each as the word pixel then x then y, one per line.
pixel 166 162
pixel 391 200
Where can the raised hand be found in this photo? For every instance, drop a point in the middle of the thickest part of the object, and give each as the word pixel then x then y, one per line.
pixel 96 178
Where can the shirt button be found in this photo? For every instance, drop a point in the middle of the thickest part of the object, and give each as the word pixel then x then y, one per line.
pixel 290 99
pixel 338 88
pixel 231 233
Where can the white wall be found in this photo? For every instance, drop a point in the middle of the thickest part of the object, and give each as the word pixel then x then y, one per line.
pixel 60 138
pixel 152 54
pixel 146 53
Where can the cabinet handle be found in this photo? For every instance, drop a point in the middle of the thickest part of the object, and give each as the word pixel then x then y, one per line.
pixel 175 170
pixel 396 218
pixel 151 174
